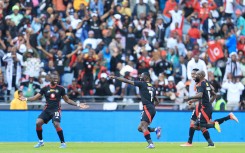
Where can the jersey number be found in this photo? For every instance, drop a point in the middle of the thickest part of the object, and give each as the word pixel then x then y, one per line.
pixel 56 114
pixel 209 95
pixel 151 93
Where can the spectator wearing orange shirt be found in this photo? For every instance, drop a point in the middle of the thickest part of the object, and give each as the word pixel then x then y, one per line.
pixel 194 33
pixel 59 6
pixel 206 8
pixel 170 5
pixel 241 44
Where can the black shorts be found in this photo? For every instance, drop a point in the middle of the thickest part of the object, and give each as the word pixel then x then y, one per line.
pixel 195 113
pixel 47 115
pixel 148 113
pixel 206 114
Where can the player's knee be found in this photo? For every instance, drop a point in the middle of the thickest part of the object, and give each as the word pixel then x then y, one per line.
pixel 38 124
pixel 56 124
pixel 139 129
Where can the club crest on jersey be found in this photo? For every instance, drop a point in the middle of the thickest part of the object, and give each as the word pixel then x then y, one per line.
pixel 52 96
pixel 56 90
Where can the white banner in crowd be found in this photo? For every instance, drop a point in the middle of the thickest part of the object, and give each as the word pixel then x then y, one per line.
pixel 32 67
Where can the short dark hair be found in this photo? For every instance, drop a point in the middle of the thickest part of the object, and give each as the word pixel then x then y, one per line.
pixel 19 91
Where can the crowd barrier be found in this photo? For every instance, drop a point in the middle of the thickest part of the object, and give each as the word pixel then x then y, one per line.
pixel 113 126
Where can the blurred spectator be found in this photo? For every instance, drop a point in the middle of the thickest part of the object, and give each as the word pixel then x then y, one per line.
pixel 240 23
pixel 30 87
pixel 125 10
pixel 170 89
pixel 220 104
pixel 195 63
pixel 216 71
pixel 59 60
pixel 74 90
pixel 162 65
pixel 213 82
pixel 140 8
pixel 102 86
pixel 13 70
pixel 161 26
pixel 181 93
pixel 87 76
pixel 3 86
pixel 97 6
pixel 129 90
pixel 16 103
pixel 44 79
pixel 232 66
pixel 16 16
pixel 234 89
pixel 242 65
pixel 180 71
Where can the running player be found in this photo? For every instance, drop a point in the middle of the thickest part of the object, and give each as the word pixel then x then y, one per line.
pixel 53 94
pixel 204 94
pixel 149 100
pixel 194 125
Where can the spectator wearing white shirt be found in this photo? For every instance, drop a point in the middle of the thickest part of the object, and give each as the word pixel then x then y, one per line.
pixel 229 7
pixel 176 17
pixel 91 40
pixel 195 63
pixel 75 21
pixel 234 89
pixel 232 66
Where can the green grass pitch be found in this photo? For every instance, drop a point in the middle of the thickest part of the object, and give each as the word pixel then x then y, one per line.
pixel 121 148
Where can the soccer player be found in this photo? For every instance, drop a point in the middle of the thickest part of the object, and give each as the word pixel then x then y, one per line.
pixel 204 94
pixel 53 94
pixel 195 117
pixel 149 100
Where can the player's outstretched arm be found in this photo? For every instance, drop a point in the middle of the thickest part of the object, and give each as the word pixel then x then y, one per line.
pixel 71 102
pixel 36 97
pixel 197 96
pixel 122 79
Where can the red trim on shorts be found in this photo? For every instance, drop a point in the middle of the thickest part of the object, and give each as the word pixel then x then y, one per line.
pixel 205 116
pixel 146 133
pixel 147 113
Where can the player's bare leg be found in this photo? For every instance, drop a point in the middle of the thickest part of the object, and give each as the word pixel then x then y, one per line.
pixel 39 131
pixel 191 134
pixel 60 134
pixel 207 136
pixel 144 128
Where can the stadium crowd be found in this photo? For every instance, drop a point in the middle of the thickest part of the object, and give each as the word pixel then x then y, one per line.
pixel 84 41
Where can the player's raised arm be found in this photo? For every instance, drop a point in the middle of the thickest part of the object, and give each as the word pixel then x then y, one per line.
pixel 122 79
pixel 71 102
pixel 197 96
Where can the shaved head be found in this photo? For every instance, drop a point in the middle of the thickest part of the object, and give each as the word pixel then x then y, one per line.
pixel 200 75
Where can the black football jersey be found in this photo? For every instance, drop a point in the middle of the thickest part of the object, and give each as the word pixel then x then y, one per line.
pixel 147 92
pixel 53 96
